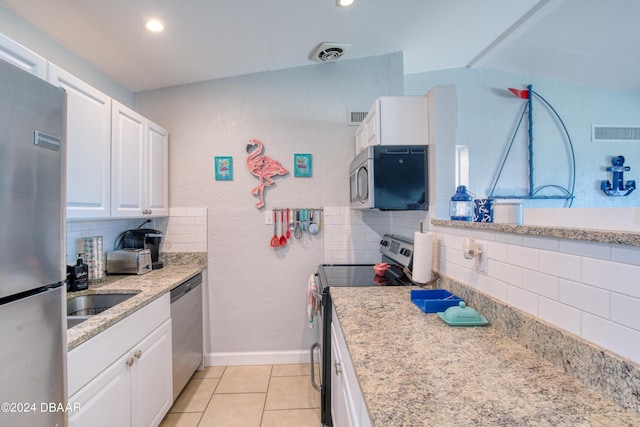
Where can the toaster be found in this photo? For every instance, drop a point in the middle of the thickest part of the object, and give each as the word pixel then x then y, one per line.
pixel 129 261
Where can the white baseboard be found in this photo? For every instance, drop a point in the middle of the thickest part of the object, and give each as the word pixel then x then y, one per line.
pixel 257 358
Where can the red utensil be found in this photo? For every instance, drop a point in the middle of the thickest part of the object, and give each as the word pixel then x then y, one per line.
pixel 275 242
pixel 283 239
pixel 288 227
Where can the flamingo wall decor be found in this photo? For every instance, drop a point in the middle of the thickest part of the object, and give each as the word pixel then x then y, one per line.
pixel 263 167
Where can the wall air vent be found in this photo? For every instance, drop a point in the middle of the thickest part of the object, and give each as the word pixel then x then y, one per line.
pixel 354 118
pixel 601 133
pixel 327 52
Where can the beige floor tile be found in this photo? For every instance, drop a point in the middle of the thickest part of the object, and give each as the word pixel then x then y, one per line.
pixel 209 372
pixel 291 393
pixel 245 379
pixel 195 396
pixel 184 419
pixel 234 410
pixel 291 418
pixel 290 370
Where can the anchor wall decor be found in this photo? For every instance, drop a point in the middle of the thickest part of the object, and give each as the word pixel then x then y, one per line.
pixel 619 187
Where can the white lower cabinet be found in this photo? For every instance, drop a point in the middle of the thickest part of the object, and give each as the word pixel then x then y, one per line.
pixel 112 387
pixel 348 408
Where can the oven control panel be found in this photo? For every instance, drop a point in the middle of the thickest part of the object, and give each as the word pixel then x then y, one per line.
pixel 397 248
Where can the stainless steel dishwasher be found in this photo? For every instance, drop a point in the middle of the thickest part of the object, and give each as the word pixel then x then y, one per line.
pixel 186 331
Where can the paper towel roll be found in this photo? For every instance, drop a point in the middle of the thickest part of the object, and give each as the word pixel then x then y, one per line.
pixel 422 257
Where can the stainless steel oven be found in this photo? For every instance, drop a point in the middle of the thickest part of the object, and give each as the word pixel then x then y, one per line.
pixel 390 177
pixel 395 250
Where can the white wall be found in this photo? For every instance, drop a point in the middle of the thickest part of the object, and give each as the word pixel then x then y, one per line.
pixel 487 119
pixel 258 294
pixel 23 33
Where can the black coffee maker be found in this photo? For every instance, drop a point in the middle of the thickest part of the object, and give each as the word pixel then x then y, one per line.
pixel 143 238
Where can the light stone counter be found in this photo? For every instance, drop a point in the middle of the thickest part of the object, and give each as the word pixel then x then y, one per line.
pixel 147 287
pixel 601 236
pixel 415 370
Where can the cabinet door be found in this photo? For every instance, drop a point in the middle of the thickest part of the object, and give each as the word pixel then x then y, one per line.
pixel 22 57
pixel 106 400
pixel 128 164
pixel 158 170
pixel 342 408
pixel 151 378
pixel 372 126
pixel 88 147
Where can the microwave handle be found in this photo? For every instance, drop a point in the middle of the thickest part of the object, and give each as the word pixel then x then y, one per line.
pixel 358 187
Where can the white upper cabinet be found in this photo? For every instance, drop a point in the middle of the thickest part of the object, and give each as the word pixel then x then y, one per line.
pixel 88 147
pixel 394 120
pixel 139 184
pixel 22 57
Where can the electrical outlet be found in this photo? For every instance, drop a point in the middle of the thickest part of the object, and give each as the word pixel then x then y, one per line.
pixel 268 218
pixel 482 257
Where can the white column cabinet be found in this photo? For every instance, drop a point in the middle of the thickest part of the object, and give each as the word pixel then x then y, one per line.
pixel 22 57
pixel 88 147
pixel 139 184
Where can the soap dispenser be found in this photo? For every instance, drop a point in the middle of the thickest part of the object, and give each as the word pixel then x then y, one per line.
pixel 77 276
pixel 461 205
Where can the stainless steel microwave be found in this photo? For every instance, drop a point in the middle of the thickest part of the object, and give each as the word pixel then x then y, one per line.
pixel 390 177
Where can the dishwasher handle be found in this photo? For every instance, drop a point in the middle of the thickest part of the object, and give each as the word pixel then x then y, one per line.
pixel 182 289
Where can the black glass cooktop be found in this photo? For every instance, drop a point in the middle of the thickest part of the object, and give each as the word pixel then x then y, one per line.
pixel 360 275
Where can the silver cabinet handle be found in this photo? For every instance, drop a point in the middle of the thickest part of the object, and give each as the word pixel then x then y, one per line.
pixel 130 361
pixel 338 367
pixel 138 354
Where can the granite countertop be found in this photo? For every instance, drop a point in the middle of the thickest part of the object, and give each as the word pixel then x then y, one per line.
pixel 601 236
pixel 147 288
pixel 414 370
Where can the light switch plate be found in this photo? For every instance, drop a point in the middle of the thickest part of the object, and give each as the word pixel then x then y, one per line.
pixel 268 217
pixel 482 257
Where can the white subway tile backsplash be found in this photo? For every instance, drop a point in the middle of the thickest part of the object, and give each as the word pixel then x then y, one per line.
pixel 496 288
pixel 508 273
pixel 625 310
pixel 523 257
pixel 561 265
pixel 541 284
pixel 522 299
pixel 547 243
pixel 625 254
pixel 498 251
pixel 618 338
pixel 512 239
pixel 560 315
pixel 586 249
pixel 614 276
pixel 584 297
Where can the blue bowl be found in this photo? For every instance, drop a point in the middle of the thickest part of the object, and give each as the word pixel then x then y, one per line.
pixel 434 300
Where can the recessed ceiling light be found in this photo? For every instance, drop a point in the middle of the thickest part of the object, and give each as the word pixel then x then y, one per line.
pixel 344 3
pixel 154 25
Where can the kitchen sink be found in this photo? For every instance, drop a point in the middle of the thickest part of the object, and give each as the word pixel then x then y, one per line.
pixel 89 305
pixel 75 320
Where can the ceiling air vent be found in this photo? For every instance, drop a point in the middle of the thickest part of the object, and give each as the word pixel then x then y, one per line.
pixel 615 133
pixel 326 52
pixel 354 118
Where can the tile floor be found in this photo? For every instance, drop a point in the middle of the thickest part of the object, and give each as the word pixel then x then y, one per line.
pixel 246 396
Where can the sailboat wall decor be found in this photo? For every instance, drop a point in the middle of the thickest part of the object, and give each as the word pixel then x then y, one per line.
pixel 533 192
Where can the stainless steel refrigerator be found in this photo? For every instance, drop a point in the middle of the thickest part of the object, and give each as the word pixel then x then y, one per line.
pixel 32 250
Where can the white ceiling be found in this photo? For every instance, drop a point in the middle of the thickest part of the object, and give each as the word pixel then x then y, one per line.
pixel 588 42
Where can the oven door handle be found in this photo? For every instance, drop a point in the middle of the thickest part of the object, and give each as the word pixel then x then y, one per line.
pixel 313 364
